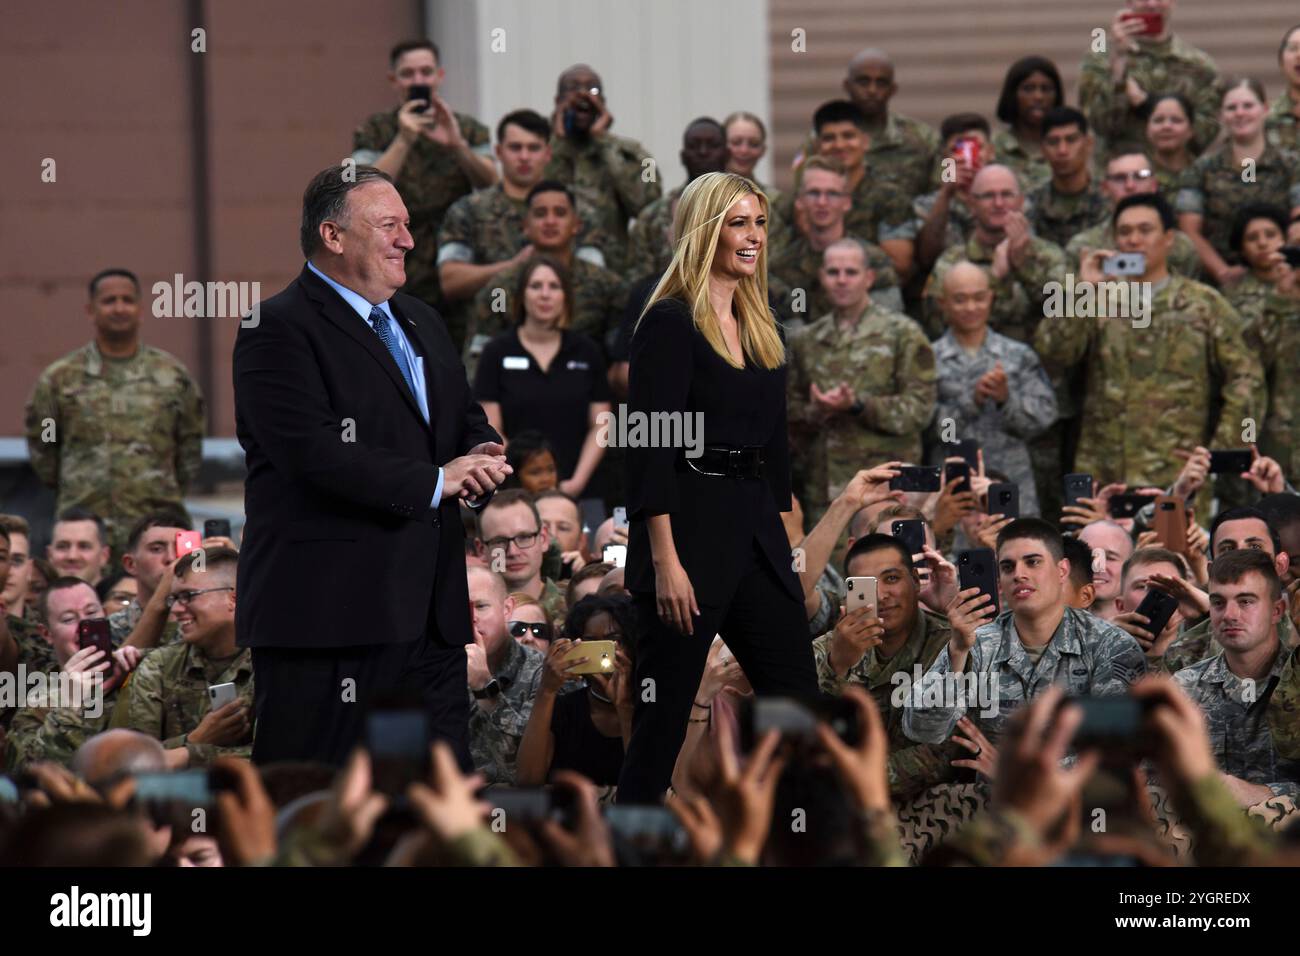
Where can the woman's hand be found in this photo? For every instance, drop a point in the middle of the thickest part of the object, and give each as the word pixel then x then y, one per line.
pixel 557 671
pixel 675 597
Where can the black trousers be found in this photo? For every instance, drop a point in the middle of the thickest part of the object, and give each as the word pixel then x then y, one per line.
pixel 311 703
pixel 762 625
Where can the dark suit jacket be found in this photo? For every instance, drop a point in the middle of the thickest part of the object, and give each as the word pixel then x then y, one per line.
pixel 715 521
pixel 341 546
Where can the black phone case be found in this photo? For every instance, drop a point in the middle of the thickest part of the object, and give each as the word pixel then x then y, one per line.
pixel 1077 486
pixel 1230 462
pixel 960 470
pixel 977 568
pixel 917 478
pixel 1128 505
pixel 1010 508
pixel 911 532
pixel 1159 607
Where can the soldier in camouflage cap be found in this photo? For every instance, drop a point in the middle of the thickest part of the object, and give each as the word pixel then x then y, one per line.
pixel 116 427
pixel 1071 200
pixel 503 679
pixel 993 665
pixel 650 243
pixel 613 178
pixel 1152 377
pixel 434 155
pixel 1116 82
pixel 1234 688
pixel 823 201
pixel 1246 169
pixel 551 227
pixel 77 697
pixel 167 697
pixel 861 381
pixel 1283 123
pixel 992 389
pixel 878 647
pixel 1129 173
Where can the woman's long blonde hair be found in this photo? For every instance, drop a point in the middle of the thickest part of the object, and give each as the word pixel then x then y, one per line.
pixel 696 226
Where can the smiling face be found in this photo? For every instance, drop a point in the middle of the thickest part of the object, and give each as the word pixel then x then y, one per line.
pixel 551 223
pixel 824 198
pixel 1031 581
pixel 1243 113
pixel 77 551
pixel 1243 615
pixel 20 571
pixel 967 298
pixel 995 194
pixel 745 147
pixel 205 619
pixel 65 609
pixel 743 233
pixel 1168 128
pixel 366 250
pixel 845 142
pixel 897 588
pixel 1116 545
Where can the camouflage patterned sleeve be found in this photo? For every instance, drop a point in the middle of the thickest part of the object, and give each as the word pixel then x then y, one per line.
pixel 1118 661
pixel 1237 370
pixel 1098 99
pixel 827 680
pixel 933 724
pixel 640 256
pixel 931 312
pixel 628 166
pixel 992 839
pixel 1031 401
pixel 44 455
pixel 910 409
pixel 1206 102
pixel 1064 341
pixel 368 136
pixel 202 755
pixel 912 769
pixel 879 840
pixel 1044 263
pixel 189 434
pixel 1223 834
pixel 796 383
pixel 457 225
pixel 143 708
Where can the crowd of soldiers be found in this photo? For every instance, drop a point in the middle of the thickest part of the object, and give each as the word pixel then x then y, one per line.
pixel 946 297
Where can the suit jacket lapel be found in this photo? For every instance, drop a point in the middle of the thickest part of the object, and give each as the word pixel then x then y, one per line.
pixel 341 314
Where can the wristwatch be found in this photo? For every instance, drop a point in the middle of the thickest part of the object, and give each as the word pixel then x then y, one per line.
pixel 489 690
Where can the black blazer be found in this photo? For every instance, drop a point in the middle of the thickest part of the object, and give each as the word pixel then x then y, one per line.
pixel 341 546
pixel 715 521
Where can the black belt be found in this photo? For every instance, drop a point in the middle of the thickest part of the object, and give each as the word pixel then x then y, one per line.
pixel 720 461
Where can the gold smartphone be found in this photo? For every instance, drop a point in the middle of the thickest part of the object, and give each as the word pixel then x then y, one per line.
pixel 599 655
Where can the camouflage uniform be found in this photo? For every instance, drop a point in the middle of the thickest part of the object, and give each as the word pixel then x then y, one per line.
pixel 961 221
pixel 1276 339
pixel 1017 299
pixel 912 766
pixel 35 655
pixel 1002 431
pixel 831 589
pixel 430 181
pixel 612 181
pixel 798 265
pixel 881 211
pixel 494 736
pixel 128 434
pixel 122 623
pixel 485 226
pixel 1284 706
pixel 1183 259
pixel 1031 168
pixel 1197 643
pixel 1212 187
pixel 1167 66
pixel 1086 656
pixel 1170 181
pixel 599 296
pixel 1239 729
pixel 1281 126
pixel 1150 390
pixel 649 241
pixel 54 733
pixel 887 361
pixel 553 600
pixel 1057 217
pixel 903 152
pixel 167 696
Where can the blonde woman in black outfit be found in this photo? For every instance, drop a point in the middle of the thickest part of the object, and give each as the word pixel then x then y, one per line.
pixel 707 552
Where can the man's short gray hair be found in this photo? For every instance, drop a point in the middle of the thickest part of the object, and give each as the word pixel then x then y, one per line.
pixel 326 198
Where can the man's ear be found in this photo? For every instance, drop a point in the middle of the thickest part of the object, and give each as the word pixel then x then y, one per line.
pixel 1089 594
pixel 508 606
pixel 1282 562
pixel 128 564
pixel 1063 569
pixel 1119 604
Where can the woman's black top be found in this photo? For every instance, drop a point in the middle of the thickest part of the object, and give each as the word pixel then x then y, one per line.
pixel 579 745
pixel 715 521
pixel 555 402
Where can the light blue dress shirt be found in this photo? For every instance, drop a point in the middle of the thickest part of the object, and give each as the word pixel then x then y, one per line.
pixel 362 308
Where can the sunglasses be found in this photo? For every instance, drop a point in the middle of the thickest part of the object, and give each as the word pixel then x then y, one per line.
pixel 540 631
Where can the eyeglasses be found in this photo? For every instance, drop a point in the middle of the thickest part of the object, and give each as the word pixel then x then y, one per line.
pixel 1119 179
pixel 539 629
pixel 522 541
pixel 185 597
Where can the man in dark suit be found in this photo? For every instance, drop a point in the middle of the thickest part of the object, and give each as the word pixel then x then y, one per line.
pixel 361 437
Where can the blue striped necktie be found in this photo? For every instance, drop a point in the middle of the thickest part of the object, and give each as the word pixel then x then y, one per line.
pixel 379 321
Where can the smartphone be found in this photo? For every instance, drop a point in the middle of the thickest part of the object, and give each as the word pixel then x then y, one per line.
pixel 978 568
pixel 95 632
pixel 860 592
pixel 599 654
pixel 187 541
pixel 797 720
pixel 967 149
pixel 1108 721
pixel 1153 24
pixel 960 470
pixel 1004 499
pixel 911 532
pixel 645 824
pixel 1125 264
pixel 1077 486
pixel 615 554
pixel 1159 607
pixel 620 517
pixel 398 741
pixel 1128 505
pixel 1292 256
pixel 216 528
pixel 191 788
pixel 1170 523
pixel 1230 461
pixel 420 91
pixel 219 695
pixel 917 478
pixel 521 804
pixel 967 449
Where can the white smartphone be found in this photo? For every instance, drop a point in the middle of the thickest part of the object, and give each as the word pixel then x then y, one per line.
pixel 620 517
pixel 861 591
pixel 615 554
pixel 219 695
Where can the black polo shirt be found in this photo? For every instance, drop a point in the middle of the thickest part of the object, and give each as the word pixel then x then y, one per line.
pixel 555 402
